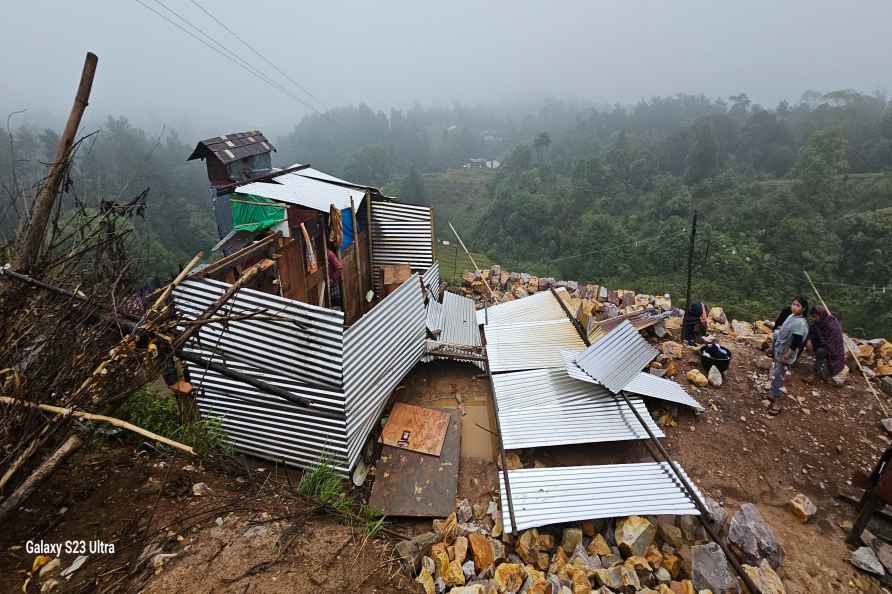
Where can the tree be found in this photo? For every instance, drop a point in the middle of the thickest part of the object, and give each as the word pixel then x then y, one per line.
pixel 520 159
pixel 821 158
pixel 412 188
pixel 372 165
pixel 702 159
pixel 541 144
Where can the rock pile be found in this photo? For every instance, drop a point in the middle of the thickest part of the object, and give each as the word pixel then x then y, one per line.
pixel 595 300
pixel 469 553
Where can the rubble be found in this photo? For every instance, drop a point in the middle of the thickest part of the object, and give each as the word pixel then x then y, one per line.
pixel 752 539
pixel 803 507
pixel 632 554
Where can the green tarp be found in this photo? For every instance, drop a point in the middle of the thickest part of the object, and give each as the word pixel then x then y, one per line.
pixel 254 217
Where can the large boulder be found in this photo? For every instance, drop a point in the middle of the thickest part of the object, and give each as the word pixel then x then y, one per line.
pixel 634 534
pixel 711 570
pixel 752 539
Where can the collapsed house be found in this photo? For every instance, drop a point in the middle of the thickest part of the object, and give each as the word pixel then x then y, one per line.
pixel 339 345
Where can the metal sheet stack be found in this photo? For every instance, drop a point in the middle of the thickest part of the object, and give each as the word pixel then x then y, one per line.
pixel 551 390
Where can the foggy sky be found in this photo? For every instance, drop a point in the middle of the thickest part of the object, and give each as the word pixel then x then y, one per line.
pixel 393 54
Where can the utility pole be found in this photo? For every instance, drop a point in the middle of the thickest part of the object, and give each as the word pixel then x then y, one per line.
pixel 31 236
pixel 687 297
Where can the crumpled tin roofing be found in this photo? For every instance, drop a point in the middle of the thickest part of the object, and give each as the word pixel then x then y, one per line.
pixel 546 407
pixel 535 308
pixel 618 357
pixel 543 496
pixel 530 345
pixel 643 384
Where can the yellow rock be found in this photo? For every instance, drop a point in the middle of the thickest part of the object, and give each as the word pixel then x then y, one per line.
pixel 546 541
pixel 441 559
pixel 672 349
pixel 454 575
pixel 683 587
pixel 540 587
pixel 884 370
pixel 654 556
pixel 637 563
pixel 509 577
pixel 447 528
pixel 581 583
pixel 427 581
pixel 865 354
pixel 762 328
pixel 884 351
pixel 482 551
pixel 765 578
pixel 528 546
pixel 599 546
pixel 695 376
pixel 542 562
pixel 533 573
pixel 461 549
pixel 672 564
pixel 803 508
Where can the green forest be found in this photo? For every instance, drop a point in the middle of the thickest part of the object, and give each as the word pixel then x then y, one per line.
pixel 596 193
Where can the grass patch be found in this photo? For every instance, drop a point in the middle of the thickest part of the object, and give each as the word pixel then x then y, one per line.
pixel 452 265
pixel 323 485
pixel 156 410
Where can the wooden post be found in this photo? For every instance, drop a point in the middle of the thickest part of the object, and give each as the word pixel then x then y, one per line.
pixel 687 297
pixel 32 235
pixel 356 254
pixel 44 470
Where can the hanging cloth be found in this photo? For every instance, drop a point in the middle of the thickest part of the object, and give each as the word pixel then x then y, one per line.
pixel 347 227
pixel 335 226
pixel 309 252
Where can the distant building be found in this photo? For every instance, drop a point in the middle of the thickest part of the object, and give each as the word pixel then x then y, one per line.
pixel 482 164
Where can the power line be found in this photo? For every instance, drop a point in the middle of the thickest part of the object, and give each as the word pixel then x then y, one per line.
pixel 635 243
pixel 256 52
pixel 238 61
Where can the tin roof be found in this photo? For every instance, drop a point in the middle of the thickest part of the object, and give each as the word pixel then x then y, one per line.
pixel 306 188
pixel 232 147
pixel 643 384
pixel 530 345
pixel 543 496
pixel 618 357
pixel 546 407
pixel 535 308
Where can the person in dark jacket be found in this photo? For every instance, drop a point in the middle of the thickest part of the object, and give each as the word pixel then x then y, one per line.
pixel 694 324
pixel 829 349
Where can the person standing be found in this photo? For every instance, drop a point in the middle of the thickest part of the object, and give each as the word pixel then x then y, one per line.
pixel 829 348
pixel 335 265
pixel 786 344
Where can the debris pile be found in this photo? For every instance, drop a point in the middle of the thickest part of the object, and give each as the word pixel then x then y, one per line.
pixel 596 300
pixel 470 552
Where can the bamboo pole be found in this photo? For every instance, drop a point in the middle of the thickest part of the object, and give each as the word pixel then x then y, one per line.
pixel 471 258
pixel 35 478
pixel 30 243
pixel 848 347
pixel 100 418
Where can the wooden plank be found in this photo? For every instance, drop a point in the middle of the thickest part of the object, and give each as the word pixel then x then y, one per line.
pixel 417 485
pixel 349 281
pixel 415 428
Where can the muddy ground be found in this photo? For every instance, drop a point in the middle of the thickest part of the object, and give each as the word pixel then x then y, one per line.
pixel 251 534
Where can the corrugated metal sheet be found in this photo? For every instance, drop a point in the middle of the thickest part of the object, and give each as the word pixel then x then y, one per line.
pixel 618 357
pixel 647 384
pixel 306 346
pixel 643 384
pixel 347 375
pixel 458 323
pixel 543 496
pixel 431 279
pixel 401 234
pixel 298 187
pixel 546 407
pixel 535 308
pixel 379 350
pixel 530 345
pixel 434 317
